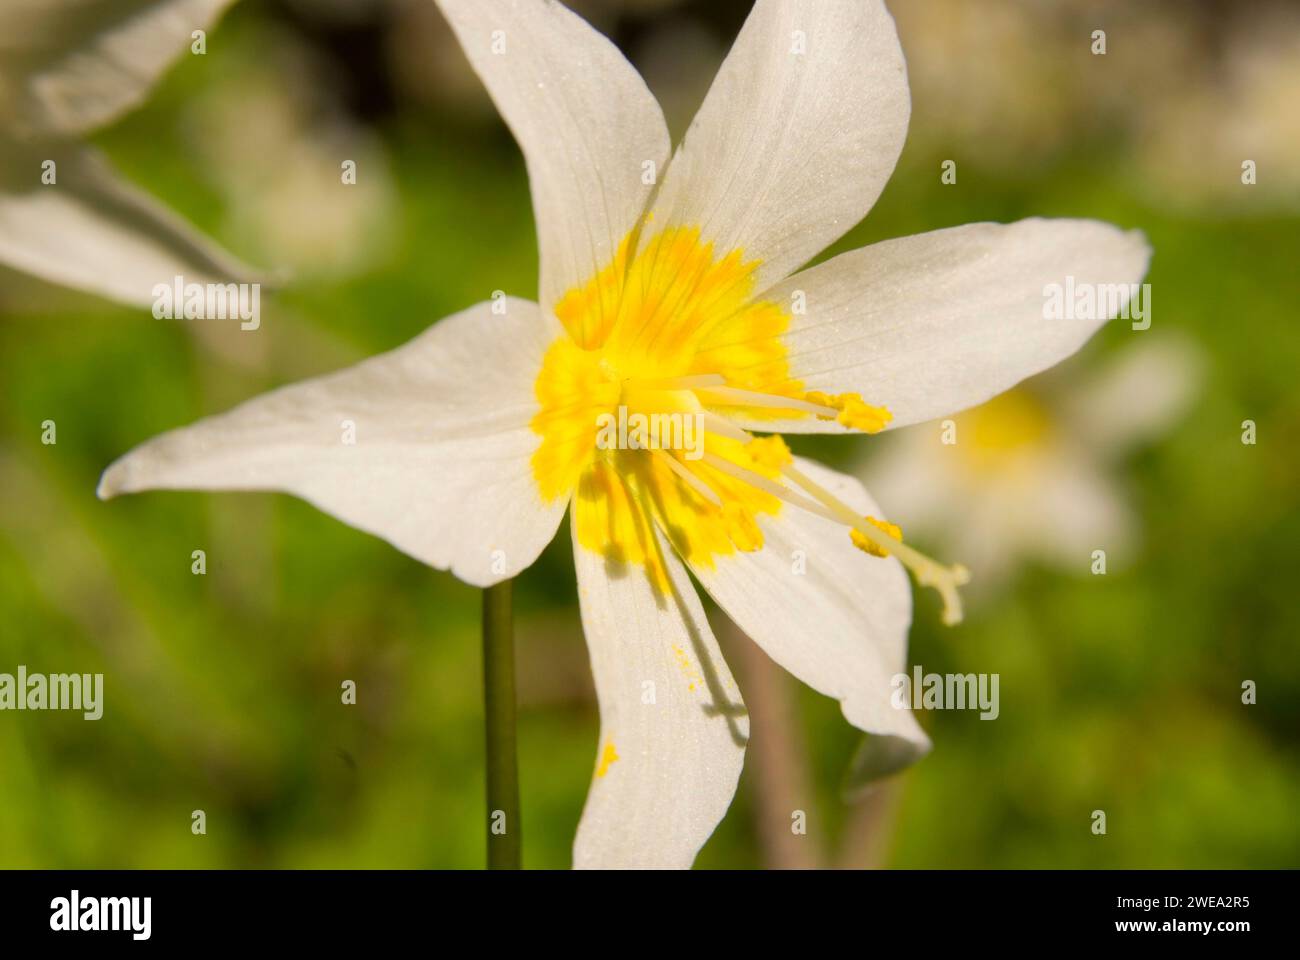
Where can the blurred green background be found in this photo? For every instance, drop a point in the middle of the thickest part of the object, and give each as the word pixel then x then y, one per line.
pixel 222 692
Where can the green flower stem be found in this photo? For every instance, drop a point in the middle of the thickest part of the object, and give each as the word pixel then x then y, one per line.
pixel 504 841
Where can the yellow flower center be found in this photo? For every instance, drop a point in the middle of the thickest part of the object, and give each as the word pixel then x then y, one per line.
pixel 665 350
pixel 999 433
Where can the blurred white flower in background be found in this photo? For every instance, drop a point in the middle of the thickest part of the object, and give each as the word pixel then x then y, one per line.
pixel 67 68
pixel 1031 475
pixel 273 139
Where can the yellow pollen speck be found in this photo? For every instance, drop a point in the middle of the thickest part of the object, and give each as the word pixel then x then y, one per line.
pixel 687 668
pixel 863 543
pixel 608 756
pixel 854 413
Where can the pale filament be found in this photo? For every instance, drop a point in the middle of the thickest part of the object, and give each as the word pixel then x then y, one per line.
pixel 689 478
pixel 736 397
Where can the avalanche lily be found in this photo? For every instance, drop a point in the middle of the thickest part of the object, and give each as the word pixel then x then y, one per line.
pixel 671 287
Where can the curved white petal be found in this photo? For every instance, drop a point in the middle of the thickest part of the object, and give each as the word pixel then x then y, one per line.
pixel 833 616
pixel 439 463
pixel 666 769
pixel 797 136
pixel 93 231
pixel 584 119
pixel 931 324
pixel 69 66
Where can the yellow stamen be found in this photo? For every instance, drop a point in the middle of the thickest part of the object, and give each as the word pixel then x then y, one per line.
pixel 723 427
pixel 851 411
pixel 673 328
pixel 738 397
pixel 928 573
pixel 723 465
pixel 868 546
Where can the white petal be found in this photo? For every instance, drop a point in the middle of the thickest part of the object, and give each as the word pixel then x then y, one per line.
pixel 93 231
pixel 1079 509
pixel 679 756
pixel 69 66
pixel 932 324
pixel 790 149
pixel 440 466
pixel 840 626
pixel 1139 394
pixel 584 119
pixel 1053 505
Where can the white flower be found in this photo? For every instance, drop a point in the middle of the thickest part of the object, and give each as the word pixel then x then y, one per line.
pixel 473 439
pixel 275 143
pixel 1029 474
pixel 68 67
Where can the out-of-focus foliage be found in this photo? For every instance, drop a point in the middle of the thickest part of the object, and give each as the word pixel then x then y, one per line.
pixel 1119 693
